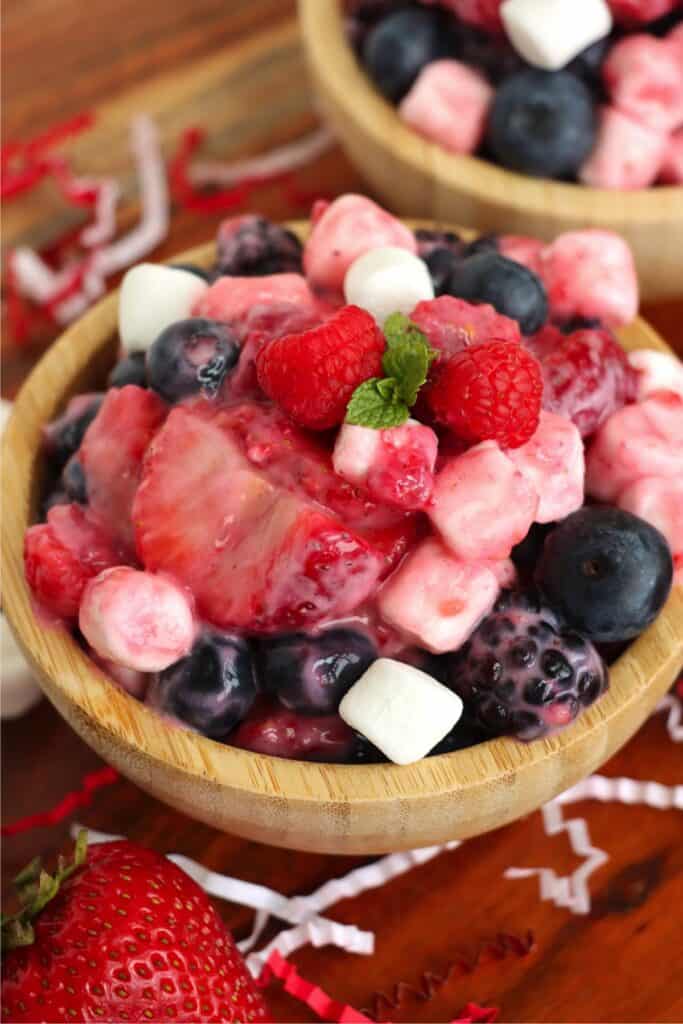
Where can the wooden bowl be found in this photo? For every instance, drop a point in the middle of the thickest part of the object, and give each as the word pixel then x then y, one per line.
pixel 417 178
pixel 326 808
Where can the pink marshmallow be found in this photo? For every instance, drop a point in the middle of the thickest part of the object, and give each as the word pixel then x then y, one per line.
pixel 138 620
pixel 231 298
pixel 133 682
pixel 553 463
pixel 347 228
pixel 660 502
pixel 396 466
pixel 436 600
pixel 637 441
pixel 627 153
pixel 448 104
pixel 482 505
pixel 644 78
pixel 505 572
pixel 656 371
pixel 671 170
pixel 522 249
pixel 590 273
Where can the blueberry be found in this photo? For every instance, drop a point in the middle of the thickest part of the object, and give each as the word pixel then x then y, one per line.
pixel 509 287
pixel 190 356
pixel 484 243
pixel 441 264
pixel 588 64
pixel 429 239
pixel 491 54
pixel 212 689
pixel 525 555
pixel 129 370
pixel 74 482
pixel 400 45
pixel 64 435
pixel 252 246
pixel 192 268
pixel 542 123
pixel 606 572
pixel 311 673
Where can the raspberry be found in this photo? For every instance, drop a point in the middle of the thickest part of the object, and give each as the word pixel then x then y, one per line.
pixel 61 555
pixel 452 324
pixel 522 674
pixel 630 12
pixel 313 375
pixel 489 392
pixel 586 378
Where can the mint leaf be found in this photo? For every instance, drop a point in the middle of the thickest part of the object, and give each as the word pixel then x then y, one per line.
pixel 398 328
pixel 408 362
pixel 377 403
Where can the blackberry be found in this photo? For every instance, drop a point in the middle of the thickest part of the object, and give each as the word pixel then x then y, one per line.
pixel 522 674
pixel 252 246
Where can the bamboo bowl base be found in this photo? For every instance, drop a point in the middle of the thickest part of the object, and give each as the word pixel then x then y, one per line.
pixel 324 808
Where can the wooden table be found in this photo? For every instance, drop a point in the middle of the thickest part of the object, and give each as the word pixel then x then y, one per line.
pixel 194 62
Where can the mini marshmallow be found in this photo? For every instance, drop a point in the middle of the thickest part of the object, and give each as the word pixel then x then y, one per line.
pixel 550 33
pixel 449 104
pixel 644 79
pixel 400 709
pixel 19 691
pixel 660 502
pixel 136 619
pixel 153 297
pixel 343 231
pixel 627 153
pixel 387 280
pixel 231 298
pixel 522 249
pixel 482 505
pixel 637 441
pixel 395 465
pixel 437 600
pixel 600 267
pixel 553 463
pixel 657 371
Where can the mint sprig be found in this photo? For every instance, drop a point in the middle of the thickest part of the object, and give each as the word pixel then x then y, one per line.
pixel 384 402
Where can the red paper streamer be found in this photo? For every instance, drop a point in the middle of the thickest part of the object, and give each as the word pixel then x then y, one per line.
pixel 24 164
pixel 332 1010
pixel 77 798
pixel 430 983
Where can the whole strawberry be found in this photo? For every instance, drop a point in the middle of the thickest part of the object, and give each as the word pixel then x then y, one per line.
pixel 312 375
pixel 123 935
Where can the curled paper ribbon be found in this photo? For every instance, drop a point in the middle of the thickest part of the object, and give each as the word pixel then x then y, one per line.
pixel 572 891
pixel 77 798
pixel 673 705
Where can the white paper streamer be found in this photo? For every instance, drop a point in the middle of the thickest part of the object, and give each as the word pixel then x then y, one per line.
pixel 674 718
pixel 571 891
pixel 42 284
pixel 278 161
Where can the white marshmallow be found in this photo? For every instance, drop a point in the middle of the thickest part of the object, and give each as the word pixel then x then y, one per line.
pixel 400 709
pixel 136 619
pixel 387 280
pixel 550 33
pixel 355 452
pixel 19 691
pixel 153 297
pixel 657 371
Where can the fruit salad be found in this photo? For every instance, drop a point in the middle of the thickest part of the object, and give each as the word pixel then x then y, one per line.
pixel 589 92
pixel 386 494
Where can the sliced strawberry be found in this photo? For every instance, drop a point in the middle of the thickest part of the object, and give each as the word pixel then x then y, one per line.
pixel 63 554
pixel 300 464
pixel 255 557
pixel 111 454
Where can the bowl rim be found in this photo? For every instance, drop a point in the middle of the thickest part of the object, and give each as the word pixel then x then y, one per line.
pixel 68 675
pixel 335 62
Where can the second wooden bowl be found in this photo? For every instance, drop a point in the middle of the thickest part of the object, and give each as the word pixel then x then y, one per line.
pixel 320 807
pixel 417 178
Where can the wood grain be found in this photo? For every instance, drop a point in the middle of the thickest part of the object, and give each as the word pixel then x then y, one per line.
pixel 418 178
pixel 324 808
